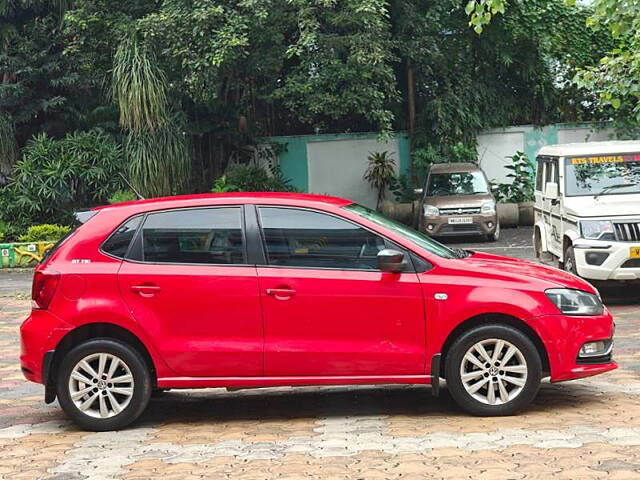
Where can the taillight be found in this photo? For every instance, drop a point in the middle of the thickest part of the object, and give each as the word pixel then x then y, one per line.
pixel 43 288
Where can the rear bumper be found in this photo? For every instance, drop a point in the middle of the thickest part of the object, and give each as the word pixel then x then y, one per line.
pixel 39 334
pixel 563 336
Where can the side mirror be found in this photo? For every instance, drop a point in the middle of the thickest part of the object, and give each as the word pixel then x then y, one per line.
pixel 551 190
pixel 391 261
pixel 494 187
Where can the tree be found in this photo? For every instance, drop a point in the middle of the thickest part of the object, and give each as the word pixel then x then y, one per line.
pixel 615 79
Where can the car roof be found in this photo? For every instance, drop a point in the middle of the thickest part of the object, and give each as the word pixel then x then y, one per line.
pixel 454 167
pixel 591 148
pixel 193 200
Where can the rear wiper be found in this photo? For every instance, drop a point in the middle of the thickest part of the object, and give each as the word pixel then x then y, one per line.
pixel 612 187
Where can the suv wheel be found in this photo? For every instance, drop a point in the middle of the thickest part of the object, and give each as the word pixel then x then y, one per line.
pixel 103 385
pixel 493 370
pixel 570 260
pixel 495 235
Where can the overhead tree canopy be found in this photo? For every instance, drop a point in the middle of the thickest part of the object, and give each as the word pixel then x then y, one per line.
pixel 186 85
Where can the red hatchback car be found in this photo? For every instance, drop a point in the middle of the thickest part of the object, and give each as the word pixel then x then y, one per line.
pixel 258 290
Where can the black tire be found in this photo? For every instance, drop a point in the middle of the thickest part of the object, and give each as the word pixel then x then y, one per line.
pixel 495 236
pixel 487 333
pixel 570 260
pixel 142 384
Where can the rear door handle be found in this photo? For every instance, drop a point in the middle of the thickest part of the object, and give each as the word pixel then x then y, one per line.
pixel 145 290
pixel 282 293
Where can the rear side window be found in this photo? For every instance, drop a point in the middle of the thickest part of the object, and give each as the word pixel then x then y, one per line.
pixel 208 235
pixel 118 243
pixel 302 238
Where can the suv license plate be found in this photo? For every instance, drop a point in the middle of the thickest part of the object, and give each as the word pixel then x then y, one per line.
pixel 461 220
pixel 634 252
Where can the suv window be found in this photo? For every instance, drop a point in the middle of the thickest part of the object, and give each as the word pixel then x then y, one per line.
pixel 303 238
pixel 208 235
pixel 118 243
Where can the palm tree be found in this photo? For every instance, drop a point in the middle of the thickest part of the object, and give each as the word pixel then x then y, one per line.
pixel 380 173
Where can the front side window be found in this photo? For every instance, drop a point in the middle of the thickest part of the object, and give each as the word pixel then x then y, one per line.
pixel 304 238
pixel 459 183
pixel 118 243
pixel 602 174
pixel 420 239
pixel 208 235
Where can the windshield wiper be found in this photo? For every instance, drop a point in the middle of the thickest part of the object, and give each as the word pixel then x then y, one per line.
pixel 613 187
pixel 460 252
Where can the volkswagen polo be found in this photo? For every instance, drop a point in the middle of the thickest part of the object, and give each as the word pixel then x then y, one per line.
pixel 260 290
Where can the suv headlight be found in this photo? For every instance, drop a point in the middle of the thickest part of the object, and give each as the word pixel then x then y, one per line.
pixel 488 208
pixel 597 229
pixel 431 211
pixel 575 302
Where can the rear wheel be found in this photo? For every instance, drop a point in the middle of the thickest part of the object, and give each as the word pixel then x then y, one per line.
pixel 103 385
pixel 493 370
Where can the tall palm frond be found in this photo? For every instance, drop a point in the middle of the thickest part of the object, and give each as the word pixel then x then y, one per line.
pixel 8 146
pixel 139 86
pixel 158 159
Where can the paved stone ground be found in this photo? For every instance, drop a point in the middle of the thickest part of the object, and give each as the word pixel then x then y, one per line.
pixel 576 430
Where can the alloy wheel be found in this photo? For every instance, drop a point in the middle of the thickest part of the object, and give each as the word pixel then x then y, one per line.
pixel 493 371
pixel 101 385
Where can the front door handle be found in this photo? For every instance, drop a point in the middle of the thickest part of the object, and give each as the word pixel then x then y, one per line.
pixel 281 293
pixel 145 290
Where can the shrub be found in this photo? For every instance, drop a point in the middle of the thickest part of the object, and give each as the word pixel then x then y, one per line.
pixel 55 177
pixel 122 196
pixel 251 178
pixel 522 186
pixel 43 233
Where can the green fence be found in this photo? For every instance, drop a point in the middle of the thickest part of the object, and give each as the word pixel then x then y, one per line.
pixel 23 254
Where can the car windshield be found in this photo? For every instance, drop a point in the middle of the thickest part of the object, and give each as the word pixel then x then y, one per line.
pixel 406 232
pixel 612 174
pixel 456 183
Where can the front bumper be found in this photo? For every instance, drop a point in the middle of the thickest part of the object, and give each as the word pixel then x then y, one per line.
pixel 39 333
pixel 563 336
pixel 618 264
pixel 440 227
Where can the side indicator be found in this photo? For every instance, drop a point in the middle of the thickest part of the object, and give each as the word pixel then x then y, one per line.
pixel 441 296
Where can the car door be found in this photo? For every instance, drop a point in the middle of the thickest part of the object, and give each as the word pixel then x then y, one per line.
pixel 553 207
pixel 188 285
pixel 328 310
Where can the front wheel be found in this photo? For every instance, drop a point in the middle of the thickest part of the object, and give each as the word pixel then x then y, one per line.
pixel 103 385
pixel 493 370
pixel 570 260
pixel 495 236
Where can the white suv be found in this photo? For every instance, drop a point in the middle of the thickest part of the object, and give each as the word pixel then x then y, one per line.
pixel 587 211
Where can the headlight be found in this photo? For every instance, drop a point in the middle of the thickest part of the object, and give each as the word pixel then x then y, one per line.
pixel 488 208
pixel 431 211
pixel 597 229
pixel 575 302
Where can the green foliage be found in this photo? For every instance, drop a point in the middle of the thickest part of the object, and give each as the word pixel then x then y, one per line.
pixel 122 196
pixel 380 173
pixel 139 86
pixel 8 147
pixel 45 233
pixel 54 177
pixel 158 159
pixel 252 178
pixel 403 189
pixel 481 11
pixel 522 186
pixel 615 79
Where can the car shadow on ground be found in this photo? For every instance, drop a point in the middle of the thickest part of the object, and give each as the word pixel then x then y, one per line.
pixel 297 403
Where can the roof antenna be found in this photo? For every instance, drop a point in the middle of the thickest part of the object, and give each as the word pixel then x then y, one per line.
pixel 140 197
